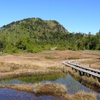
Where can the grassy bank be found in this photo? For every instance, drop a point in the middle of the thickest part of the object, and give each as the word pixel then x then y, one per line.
pixel 93 82
pixel 80 96
pixel 46 62
pixel 51 89
pixel 38 78
pixel 39 64
pixel 92 63
pixel 25 75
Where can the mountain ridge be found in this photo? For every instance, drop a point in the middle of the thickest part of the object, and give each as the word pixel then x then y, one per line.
pixel 33 35
pixel 34 25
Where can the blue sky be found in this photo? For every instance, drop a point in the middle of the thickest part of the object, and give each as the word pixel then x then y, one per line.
pixel 74 15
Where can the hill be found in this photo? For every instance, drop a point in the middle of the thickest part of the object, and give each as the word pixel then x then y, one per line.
pixel 30 34
pixel 36 26
pixel 35 35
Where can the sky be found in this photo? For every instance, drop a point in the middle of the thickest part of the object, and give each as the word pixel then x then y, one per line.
pixel 75 15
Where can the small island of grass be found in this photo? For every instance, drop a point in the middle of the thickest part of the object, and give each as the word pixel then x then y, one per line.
pixel 51 89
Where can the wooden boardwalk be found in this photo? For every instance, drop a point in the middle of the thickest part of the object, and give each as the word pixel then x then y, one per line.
pixel 83 70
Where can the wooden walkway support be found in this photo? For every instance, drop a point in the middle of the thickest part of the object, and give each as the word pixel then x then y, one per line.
pixel 83 70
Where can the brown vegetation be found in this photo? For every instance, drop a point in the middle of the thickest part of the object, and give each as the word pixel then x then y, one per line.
pixel 92 63
pixel 93 82
pixel 46 62
pixel 51 89
pixel 81 96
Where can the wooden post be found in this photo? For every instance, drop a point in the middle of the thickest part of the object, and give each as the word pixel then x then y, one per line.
pixel 81 73
pixel 64 69
pixel 98 79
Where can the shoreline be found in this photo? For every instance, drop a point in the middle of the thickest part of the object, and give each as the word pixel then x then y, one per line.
pixel 44 63
pixel 51 89
pixel 93 82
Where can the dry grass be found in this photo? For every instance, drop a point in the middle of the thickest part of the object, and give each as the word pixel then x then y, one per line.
pixel 51 89
pixel 91 80
pixel 81 96
pixel 93 63
pixel 40 63
pixel 86 80
pixel 46 62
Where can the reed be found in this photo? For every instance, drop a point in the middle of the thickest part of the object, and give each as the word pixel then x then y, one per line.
pixel 39 78
pixel 85 79
pixel 80 96
pixel 50 89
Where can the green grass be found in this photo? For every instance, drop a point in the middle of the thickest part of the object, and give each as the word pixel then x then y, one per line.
pixel 34 79
pixel 38 78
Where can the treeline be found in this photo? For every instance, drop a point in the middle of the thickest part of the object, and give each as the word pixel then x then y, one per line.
pixel 35 35
pixel 11 43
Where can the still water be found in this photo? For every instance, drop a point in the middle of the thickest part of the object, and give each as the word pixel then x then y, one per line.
pixel 72 85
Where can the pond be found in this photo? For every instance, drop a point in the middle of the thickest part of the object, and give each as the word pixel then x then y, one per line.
pixel 72 85
pixel 9 94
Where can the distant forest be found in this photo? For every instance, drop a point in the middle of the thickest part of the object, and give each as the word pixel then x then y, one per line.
pixel 34 35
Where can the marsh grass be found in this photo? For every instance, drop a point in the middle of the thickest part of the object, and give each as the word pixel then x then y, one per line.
pixel 93 82
pixel 72 58
pixel 49 57
pixel 46 62
pixel 51 89
pixel 80 96
pixel 39 78
pixel 93 63
pixel 35 78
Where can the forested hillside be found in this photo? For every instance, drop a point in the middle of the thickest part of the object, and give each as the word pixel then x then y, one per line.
pixel 34 35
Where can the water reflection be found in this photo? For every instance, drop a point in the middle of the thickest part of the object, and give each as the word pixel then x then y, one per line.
pixel 9 94
pixel 72 85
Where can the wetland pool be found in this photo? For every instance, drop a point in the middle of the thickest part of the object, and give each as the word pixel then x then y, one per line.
pixel 72 85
